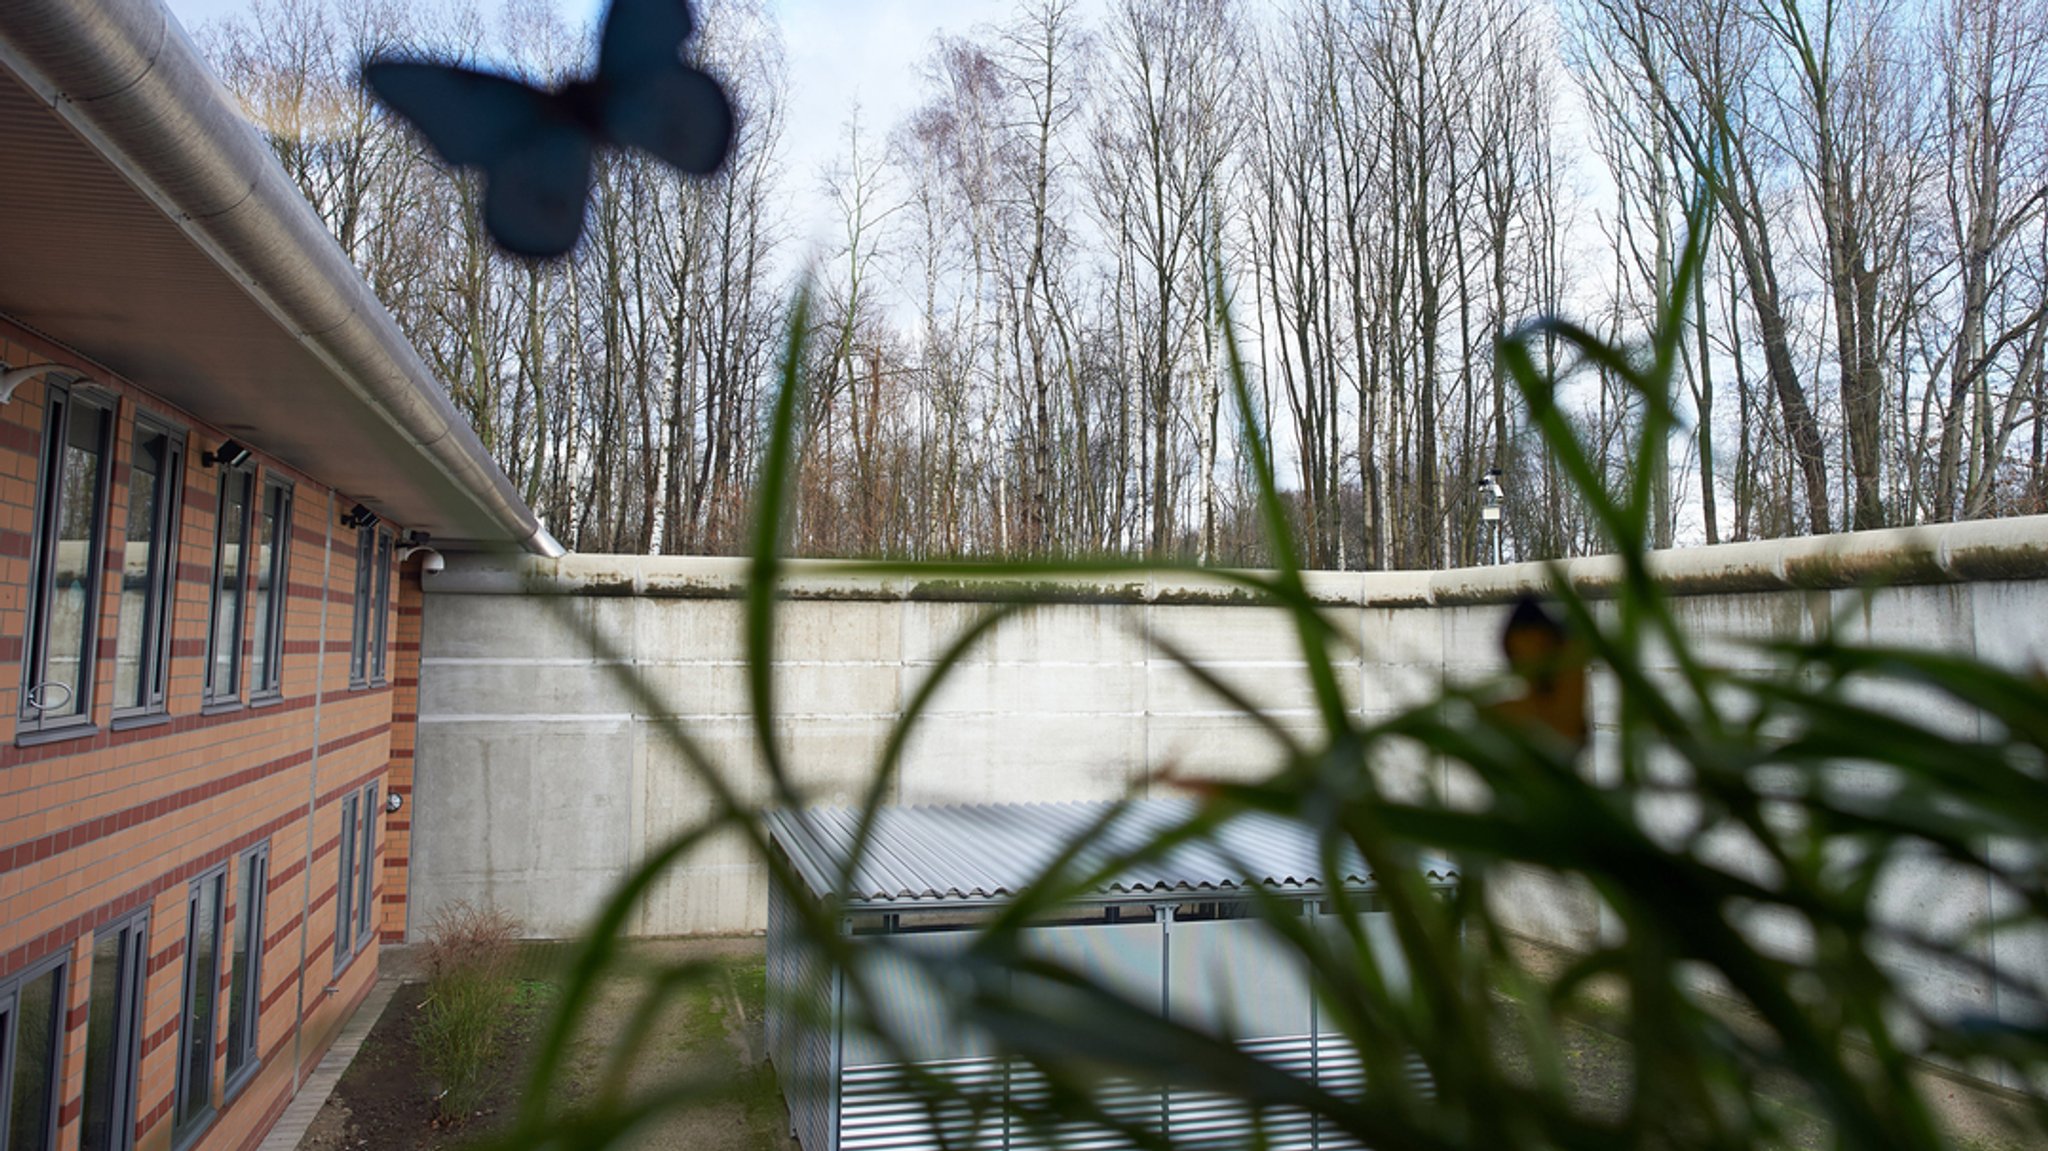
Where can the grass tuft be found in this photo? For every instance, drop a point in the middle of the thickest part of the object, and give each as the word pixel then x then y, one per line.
pixel 473 996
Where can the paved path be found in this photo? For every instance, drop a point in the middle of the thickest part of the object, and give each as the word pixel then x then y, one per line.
pixel 313 1093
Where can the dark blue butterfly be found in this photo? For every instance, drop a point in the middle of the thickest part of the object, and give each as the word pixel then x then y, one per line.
pixel 535 147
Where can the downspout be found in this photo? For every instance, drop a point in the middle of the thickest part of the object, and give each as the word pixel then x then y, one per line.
pixel 313 782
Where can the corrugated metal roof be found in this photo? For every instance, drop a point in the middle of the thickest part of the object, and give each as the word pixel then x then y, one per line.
pixel 990 852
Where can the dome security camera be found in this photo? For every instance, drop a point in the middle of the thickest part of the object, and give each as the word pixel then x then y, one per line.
pixel 432 562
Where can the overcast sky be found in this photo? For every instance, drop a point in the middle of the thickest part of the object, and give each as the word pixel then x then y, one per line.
pixel 839 51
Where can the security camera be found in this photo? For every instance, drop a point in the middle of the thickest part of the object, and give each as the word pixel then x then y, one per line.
pixel 393 802
pixel 431 562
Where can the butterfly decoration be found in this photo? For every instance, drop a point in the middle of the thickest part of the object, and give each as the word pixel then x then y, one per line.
pixel 535 147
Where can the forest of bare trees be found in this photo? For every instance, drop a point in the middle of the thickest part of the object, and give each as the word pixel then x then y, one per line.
pixel 1013 349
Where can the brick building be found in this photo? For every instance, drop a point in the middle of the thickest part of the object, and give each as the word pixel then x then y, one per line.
pixel 218 461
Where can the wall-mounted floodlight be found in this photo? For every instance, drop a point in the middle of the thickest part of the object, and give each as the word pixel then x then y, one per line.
pixel 12 378
pixel 229 454
pixel 359 517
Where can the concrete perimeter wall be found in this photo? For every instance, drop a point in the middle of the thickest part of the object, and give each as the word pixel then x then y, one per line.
pixel 543 771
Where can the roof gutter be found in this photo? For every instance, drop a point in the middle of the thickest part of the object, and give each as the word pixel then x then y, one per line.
pixel 123 75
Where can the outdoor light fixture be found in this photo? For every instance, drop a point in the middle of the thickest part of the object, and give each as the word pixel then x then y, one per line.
pixel 1490 496
pixel 229 454
pixel 359 517
pixel 414 543
pixel 12 378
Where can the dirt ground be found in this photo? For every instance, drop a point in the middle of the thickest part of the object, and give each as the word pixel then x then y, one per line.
pixel 383 1102
pixel 714 1030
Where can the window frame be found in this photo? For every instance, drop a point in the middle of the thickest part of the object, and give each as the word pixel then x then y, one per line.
pixel 252 905
pixel 160 597
pixel 189 1126
pixel 212 697
pixel 10 1040
pixel 270 685
pixel 30 723
pixel 367 853
pixel 359 631
pixel 126 1042
pixel 380 651
pixel 345 881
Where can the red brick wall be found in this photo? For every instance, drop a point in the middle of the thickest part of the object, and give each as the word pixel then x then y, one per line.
pixel 94 827
pixel 405 709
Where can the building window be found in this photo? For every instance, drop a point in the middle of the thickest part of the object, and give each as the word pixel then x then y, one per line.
pixel 245 967
pixel 192 1105
pixel 354 877
pixel 224 633
pixel 113 1035
pixel 373 608
pixel 273 546
pixel 369 865
pixel 142 648
pixel 345 882
pixel 64 574
pixel 31 1046
pixel 359 637
pixel 381 644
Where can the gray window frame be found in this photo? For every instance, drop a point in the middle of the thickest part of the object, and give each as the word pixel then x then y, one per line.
pixel 367 853
pixel 252 905
pixel 10 1042
pixel 360 628
pixel 345 881
pixel 160 599
pixel 271 684
pixel 381 649
pixel 131 992
pixel 213 696
pixel 195 1123
pixel 61 404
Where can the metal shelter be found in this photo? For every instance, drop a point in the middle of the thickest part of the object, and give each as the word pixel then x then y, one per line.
pixel 1172 930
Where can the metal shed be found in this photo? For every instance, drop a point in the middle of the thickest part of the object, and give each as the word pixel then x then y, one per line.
pixel 1170 931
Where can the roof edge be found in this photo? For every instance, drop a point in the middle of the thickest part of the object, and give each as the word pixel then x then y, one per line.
pixel 124 76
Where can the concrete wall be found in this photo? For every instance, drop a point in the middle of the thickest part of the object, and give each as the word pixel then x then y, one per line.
pixel 542 772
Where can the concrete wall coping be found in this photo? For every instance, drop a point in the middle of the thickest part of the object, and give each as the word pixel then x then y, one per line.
pixel 1980 550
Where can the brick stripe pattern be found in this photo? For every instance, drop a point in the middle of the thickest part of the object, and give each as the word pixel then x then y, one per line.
pixel 97 828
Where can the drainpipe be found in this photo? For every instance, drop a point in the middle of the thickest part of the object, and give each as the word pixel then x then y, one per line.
pixel 313 783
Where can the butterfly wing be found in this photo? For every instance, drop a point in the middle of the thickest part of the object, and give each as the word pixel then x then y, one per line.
pixel 535 157
pixel 469 117
pixel 642 37
pixel 652 100
pixel 535 192
pixel 678 114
